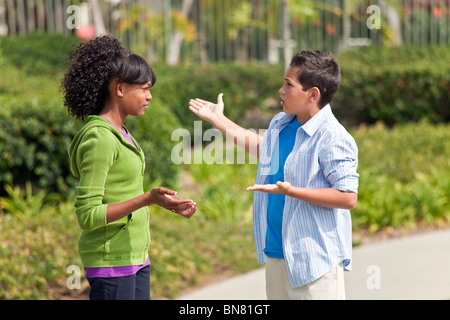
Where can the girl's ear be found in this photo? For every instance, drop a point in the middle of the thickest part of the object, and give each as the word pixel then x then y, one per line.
pixel 119 89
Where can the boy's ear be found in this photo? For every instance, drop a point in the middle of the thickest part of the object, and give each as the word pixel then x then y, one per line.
pixel 314 95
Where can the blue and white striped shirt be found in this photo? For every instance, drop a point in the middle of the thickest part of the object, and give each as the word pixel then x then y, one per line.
pixel 315 238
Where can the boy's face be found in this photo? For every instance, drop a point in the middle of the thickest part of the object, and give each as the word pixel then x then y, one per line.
pixel 294 100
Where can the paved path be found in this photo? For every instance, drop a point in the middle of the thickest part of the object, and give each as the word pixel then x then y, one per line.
pixel 415 267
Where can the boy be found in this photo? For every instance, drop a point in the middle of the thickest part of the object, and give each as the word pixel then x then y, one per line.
pixel 306 182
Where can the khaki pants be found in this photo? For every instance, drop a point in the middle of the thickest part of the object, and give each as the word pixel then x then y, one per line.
pixel 328 287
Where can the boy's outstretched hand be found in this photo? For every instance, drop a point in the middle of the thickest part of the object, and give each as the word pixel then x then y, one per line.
pixel 206 110
pixel 279 187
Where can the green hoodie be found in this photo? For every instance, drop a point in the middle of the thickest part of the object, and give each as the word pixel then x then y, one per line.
pixel 111 170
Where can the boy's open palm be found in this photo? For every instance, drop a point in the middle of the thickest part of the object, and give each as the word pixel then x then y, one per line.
pixel 206 110
pixel 279 187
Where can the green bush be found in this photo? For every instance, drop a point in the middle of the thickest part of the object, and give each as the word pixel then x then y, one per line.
pixel 247 89
pixel 35 136
pixel 34 139
pixel 404 175
pixel 38 53
pixel 394 85
pixel 36 131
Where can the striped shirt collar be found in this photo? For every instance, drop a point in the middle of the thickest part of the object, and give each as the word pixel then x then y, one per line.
pixel 309 127
pixel 315 122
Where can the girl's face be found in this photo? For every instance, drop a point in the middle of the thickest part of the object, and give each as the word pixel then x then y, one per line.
pixel 135 98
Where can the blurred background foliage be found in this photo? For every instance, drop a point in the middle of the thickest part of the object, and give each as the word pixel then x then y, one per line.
pixel 202 31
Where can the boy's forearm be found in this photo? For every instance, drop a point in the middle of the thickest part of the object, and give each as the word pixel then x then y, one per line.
pixel 241 137
pixel 327 197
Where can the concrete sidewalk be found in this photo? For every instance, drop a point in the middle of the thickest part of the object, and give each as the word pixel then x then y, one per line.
pixel 411 268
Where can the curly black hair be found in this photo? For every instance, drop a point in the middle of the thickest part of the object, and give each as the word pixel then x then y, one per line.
pixel 92 67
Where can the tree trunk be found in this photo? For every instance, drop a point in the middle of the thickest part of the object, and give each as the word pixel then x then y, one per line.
pixel 287 48
pixel 177 39
pixel 393 18
pixel 98 18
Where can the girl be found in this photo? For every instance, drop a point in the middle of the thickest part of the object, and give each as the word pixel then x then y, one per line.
pixel 104 84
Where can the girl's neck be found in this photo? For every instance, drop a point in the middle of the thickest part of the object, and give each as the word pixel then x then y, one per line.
pixel 117 123
pixel 114 117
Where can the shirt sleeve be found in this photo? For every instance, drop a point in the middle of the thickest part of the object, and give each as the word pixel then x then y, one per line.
pixel 95 156
pixel 339 161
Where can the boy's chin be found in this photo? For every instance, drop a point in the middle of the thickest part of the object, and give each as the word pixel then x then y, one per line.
pixel 286 110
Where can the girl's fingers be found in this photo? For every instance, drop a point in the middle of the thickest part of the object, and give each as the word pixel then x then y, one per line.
pixel 172 196
pixel 189 212
pixel 186 211
pixel 165 191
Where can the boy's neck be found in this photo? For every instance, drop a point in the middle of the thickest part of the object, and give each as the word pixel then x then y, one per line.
pixel 307 115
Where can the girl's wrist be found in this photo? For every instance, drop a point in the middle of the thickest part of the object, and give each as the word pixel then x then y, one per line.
pixel 148 199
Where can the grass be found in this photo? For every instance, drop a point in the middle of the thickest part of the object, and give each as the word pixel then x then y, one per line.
pixel 405 176
pixel 186 253
pixel 38 241
pixel 405 179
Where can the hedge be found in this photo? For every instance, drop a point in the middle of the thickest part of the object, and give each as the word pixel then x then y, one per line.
pixel 392 85
pixel 34 140
pixel 35 130
pixel 250 91
pixel 38 53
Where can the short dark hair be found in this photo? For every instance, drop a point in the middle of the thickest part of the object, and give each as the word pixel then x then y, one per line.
pixel 318 69
pixel 92 67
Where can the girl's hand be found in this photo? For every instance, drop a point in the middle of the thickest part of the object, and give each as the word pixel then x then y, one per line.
pixel 186 210
pixel 278 188
pixel 169 200
pixel 206 110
